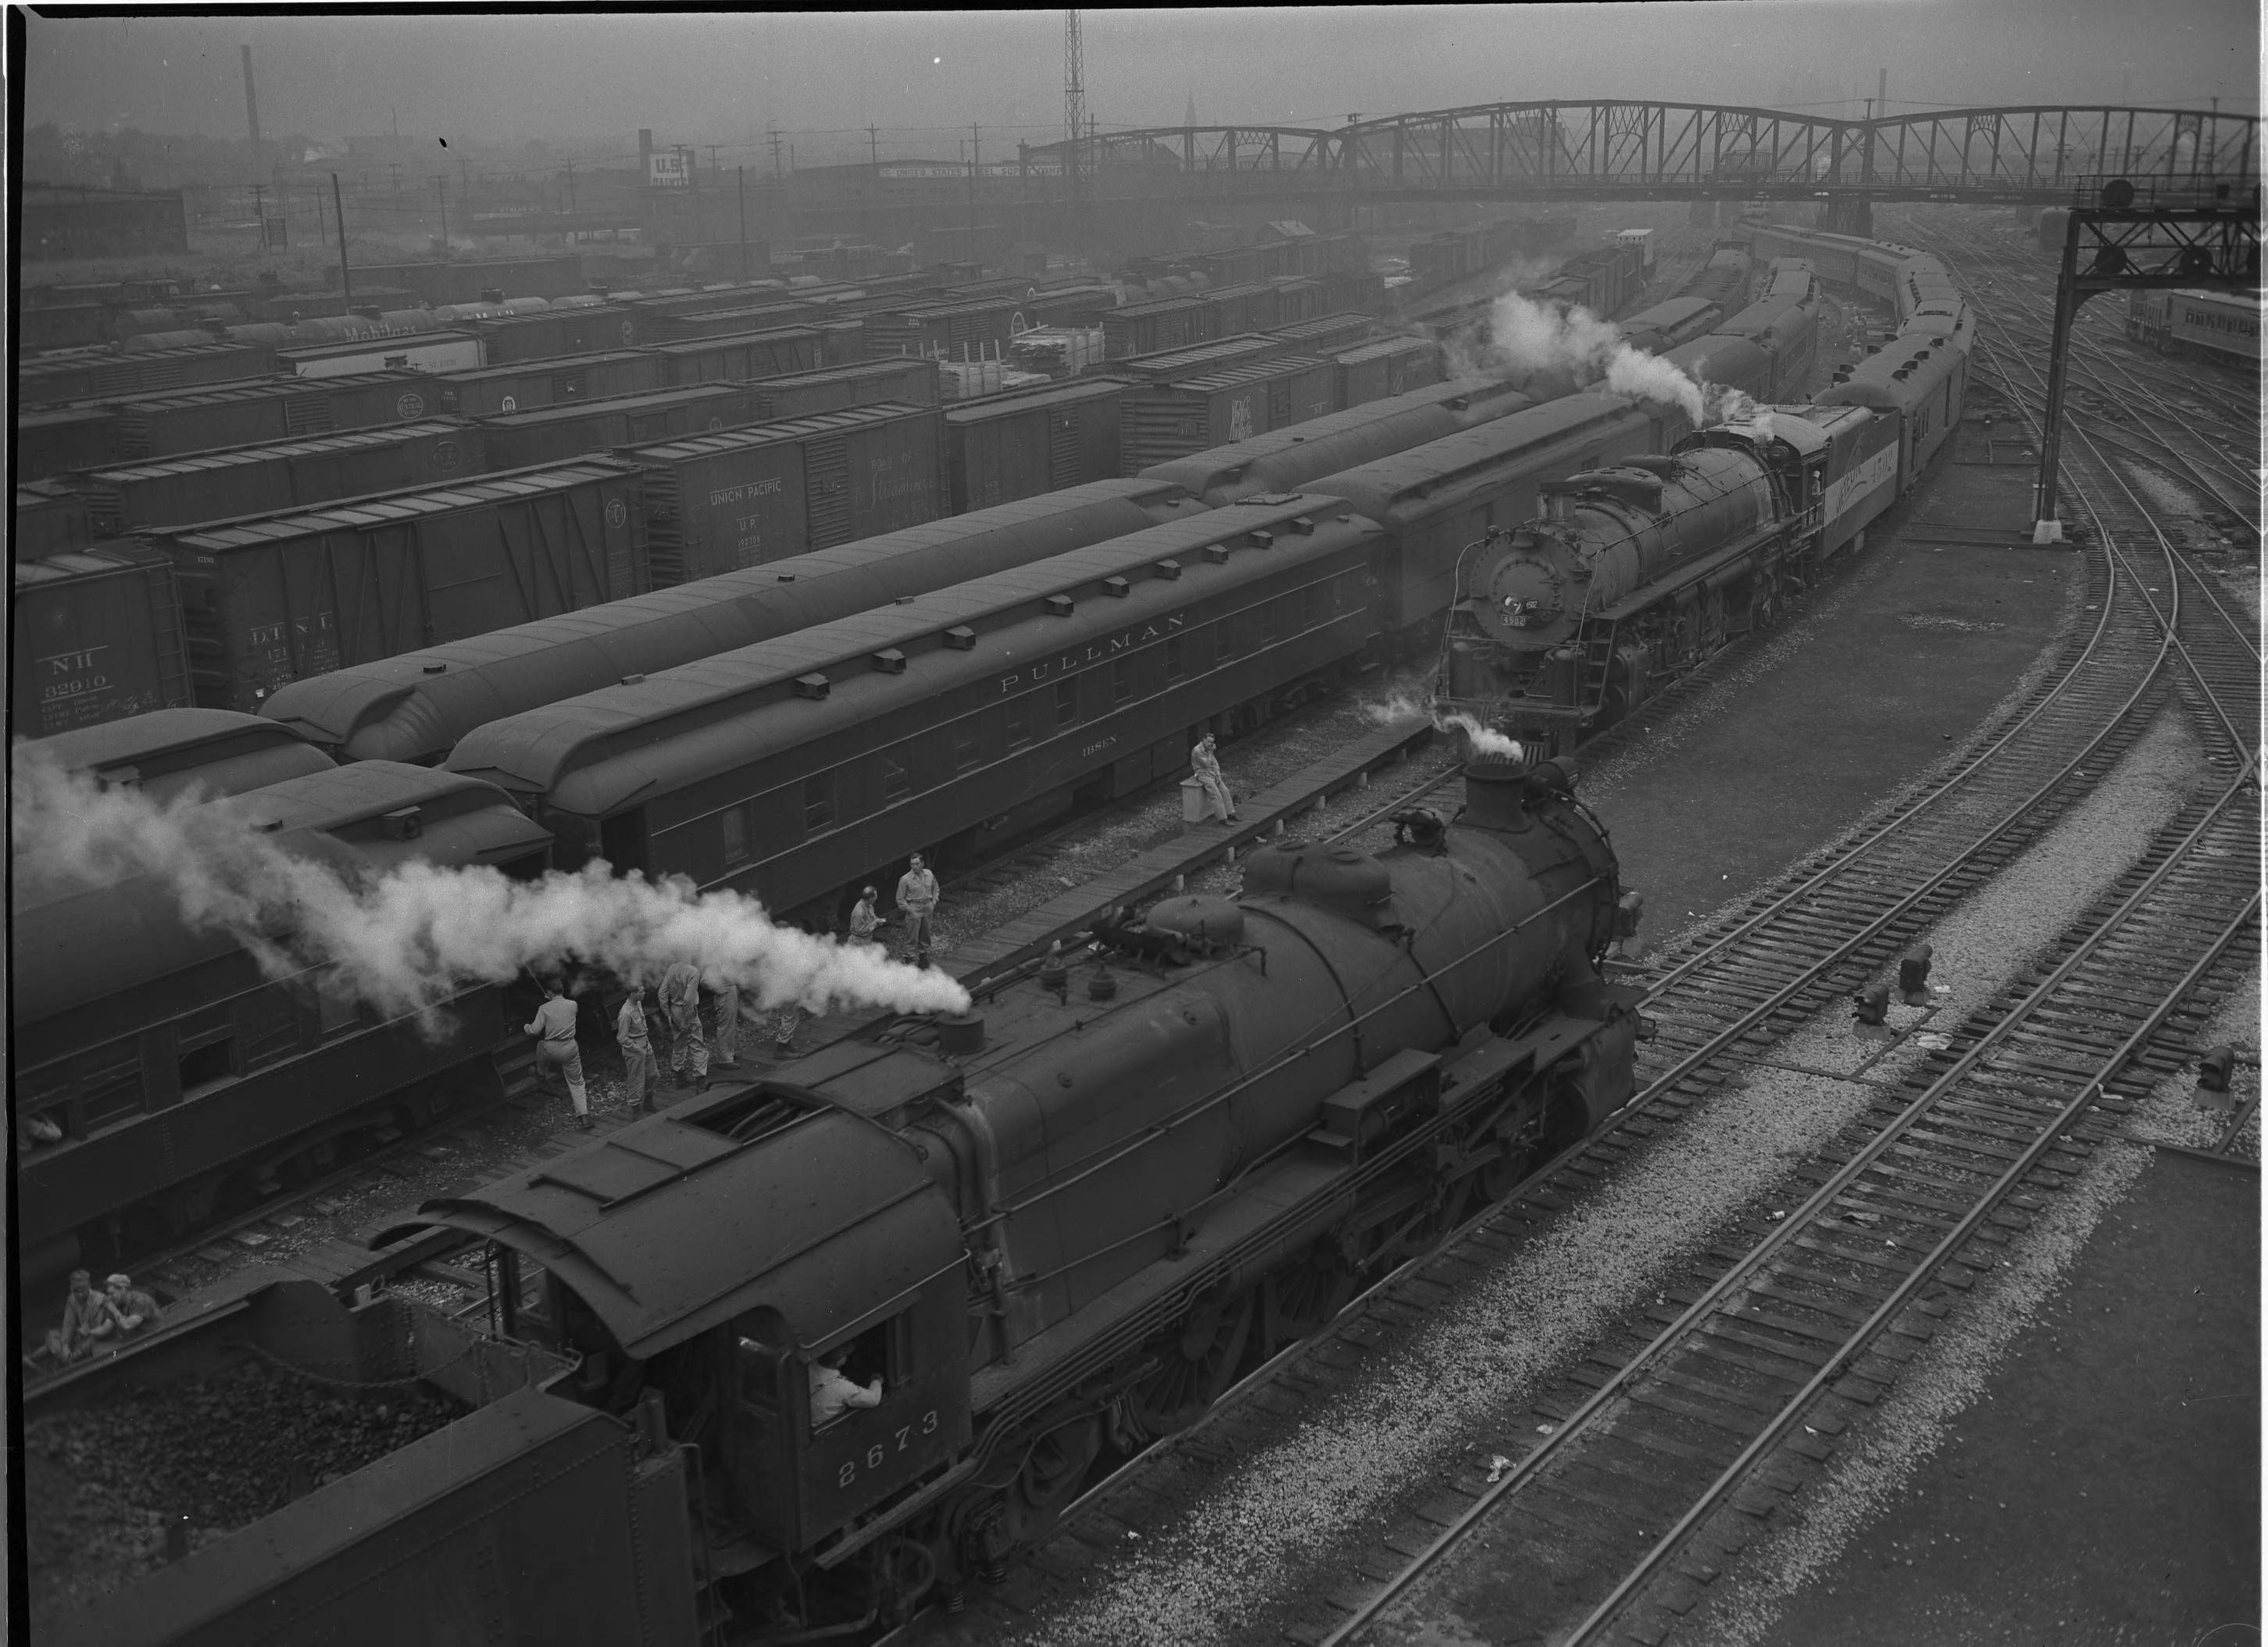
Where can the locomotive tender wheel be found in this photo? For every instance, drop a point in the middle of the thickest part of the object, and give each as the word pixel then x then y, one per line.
pixel 1195 1366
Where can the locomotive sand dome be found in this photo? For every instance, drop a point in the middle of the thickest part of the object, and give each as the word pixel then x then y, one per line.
pixel 1068 1219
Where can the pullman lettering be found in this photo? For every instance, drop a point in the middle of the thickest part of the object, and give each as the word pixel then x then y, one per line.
pixel 1069 663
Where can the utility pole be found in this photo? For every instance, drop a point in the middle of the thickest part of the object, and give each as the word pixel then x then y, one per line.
pixel 774 133
pixel 714 174
pixel 346 275
pixel 570 194
pixel 873 147
pixel 395 166
pixel 973 163
pixel 743 172
pixel 1074 98
pixel 441 187
pixel 260 211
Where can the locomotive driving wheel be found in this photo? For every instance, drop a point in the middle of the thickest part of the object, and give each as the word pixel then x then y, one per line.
pixel 1194 1366
pixel 1302 1293
pixel 1053 1472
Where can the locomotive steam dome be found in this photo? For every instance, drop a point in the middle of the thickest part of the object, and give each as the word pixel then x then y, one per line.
pixel 1520 590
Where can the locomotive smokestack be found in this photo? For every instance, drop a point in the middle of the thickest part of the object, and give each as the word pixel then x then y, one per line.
pixel 1493 795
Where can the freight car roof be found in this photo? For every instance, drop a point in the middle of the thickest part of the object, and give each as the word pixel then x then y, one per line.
pixel 266 389
pixel 787 428
pixel 50 366
pixel 518 369
pixel 415 706
pixel 1234 376
pixel 728 339
pixel 652 731
pixel 1383 349
pixel 569 411
pixel 266 451
pixel 1008 402
pixel 374 340
pixel 814 1221
pixel 168 751
pixel 404 503
pixel 106 559
pixel 858 369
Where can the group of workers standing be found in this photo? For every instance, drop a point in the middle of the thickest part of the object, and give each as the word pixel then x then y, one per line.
pixel 677 1001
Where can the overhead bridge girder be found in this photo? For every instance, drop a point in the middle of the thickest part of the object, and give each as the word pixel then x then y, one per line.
pixel 1623 148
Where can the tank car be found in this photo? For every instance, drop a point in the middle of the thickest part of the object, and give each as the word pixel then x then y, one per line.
pixel 1634 574
pixel 185 1080
pixel 1057 1227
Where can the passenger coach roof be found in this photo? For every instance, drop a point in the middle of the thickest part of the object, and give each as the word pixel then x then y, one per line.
pixel 416 706
pixel 169 750
pixel 1383 487
pixel 666 1229
pixel 537 752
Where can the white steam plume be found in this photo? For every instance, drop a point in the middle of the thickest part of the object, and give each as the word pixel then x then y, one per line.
pixel 1530 337
pixel 406 939
pixel 1485 740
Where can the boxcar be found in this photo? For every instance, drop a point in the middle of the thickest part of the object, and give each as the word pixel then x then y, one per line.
pixel 1297 298
pixel 910 380
pixel 418 351
pixel 1167 365
pixel 417 706
pixel 1250 307
pixel 277 598
pixel 50 439
pixel 51 517
pixel 1358 291
pixel 1068 306
pixel 487 391
pixel 1026 441
pixel 759 317
pixel 545 336
pixel 803 764
pixel 104 376
pixel 164 753
pixel 968 330
pixel 463 281
pixel 551 433
pixel 1166 323
pixel 1326 334
pixel 1291 459
pixel 280 474
pixel 740 356
pixel 719 502
pixel 1159 421
pixel 95 635
pixel 270 408
pixel 1393 365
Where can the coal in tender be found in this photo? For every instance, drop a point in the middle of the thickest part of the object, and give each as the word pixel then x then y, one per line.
pixel 103 1484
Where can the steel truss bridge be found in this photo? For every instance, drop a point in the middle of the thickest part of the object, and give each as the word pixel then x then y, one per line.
pixel 1607 150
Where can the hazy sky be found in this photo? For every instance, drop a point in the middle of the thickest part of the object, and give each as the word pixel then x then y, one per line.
pixel 716 77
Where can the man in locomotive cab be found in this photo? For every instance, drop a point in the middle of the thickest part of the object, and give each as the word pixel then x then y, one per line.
pixel 833 1392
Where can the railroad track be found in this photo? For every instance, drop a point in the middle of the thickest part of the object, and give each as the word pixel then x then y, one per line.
pixel 1719 1003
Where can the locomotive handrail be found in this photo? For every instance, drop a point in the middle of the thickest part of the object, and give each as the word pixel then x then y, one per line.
pixel 1165 1128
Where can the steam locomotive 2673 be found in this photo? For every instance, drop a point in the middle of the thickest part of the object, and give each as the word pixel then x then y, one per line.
pixel 1060 1224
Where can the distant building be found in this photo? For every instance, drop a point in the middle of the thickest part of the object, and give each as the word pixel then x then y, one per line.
pixel 76 223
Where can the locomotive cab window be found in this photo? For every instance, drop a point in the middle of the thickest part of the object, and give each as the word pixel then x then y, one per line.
pixel 207 1065
pixel 878 1363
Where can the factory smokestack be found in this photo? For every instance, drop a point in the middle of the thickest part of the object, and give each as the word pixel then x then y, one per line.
pixel 251 103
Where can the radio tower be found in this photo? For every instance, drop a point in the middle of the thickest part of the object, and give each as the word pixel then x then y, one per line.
pixel 1074 99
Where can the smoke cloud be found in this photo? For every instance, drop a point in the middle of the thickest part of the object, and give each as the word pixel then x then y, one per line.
pixel 405 939
pixel 1483 740
pixel 1530 337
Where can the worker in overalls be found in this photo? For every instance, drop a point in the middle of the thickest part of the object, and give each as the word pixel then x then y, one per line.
pixel 1205 764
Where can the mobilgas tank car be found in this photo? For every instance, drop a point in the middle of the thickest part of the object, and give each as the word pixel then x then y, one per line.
pixel 1060 1225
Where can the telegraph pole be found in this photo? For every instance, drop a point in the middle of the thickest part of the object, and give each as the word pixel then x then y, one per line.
pixel 973 163
pixel 743 172
pixel 873 147
pixel 570 193
pixel 441 187
pixel 346 275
